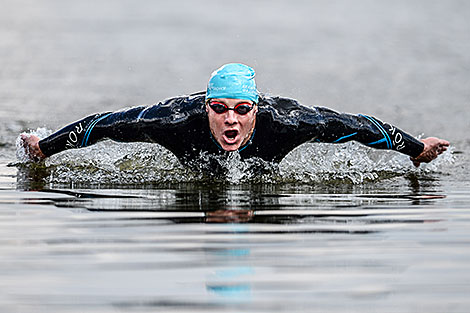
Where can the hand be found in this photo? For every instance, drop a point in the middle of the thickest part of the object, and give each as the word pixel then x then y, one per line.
pixel 31 147
pixel 432 148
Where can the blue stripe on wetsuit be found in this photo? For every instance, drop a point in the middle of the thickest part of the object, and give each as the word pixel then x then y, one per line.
pixel 142 113
pixel 382 130
pixel 376 142
pixel 344 137
pixel 90 128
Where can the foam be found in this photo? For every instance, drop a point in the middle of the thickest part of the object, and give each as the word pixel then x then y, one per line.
pixel 144 163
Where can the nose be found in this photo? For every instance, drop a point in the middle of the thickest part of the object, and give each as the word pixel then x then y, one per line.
pixel 230 117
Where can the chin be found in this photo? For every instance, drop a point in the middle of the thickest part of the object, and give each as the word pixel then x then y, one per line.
pixel 230 147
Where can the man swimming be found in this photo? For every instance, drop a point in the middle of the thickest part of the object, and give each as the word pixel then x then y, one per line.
pixel 233 116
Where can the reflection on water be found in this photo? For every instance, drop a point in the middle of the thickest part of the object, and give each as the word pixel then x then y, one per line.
pixel 312 235
pixel 264 248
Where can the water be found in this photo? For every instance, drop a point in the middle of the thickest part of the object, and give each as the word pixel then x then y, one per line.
pixel 126 228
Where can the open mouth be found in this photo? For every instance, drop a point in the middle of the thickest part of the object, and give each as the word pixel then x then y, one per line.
pixel 231 135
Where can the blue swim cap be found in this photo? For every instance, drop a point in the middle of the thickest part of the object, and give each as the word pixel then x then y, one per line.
pixel 233 81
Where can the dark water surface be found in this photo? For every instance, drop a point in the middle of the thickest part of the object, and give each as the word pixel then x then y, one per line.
pixel 334 228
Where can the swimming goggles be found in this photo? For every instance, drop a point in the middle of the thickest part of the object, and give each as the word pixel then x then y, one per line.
pixel 241 108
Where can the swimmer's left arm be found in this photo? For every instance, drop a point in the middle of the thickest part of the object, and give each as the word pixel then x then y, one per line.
pixel 368 130
pixel 433 147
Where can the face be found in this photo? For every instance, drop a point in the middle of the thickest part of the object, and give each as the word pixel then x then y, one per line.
pixel 231 129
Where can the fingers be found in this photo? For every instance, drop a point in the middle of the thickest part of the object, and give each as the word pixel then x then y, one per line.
pixel 31 146
pixel 441 149
pixel 416 161
pixel 444 143
pixel 433 147
pixel 442 146
pixel 24 140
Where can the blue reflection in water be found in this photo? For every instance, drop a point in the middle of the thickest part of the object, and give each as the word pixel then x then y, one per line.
pixel 232 283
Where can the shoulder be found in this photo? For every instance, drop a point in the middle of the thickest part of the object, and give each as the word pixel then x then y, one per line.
pixel 185 102
pixel 176 108
pixel 283 106
pixel 277 102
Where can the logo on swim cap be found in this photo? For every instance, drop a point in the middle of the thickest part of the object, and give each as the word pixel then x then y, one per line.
pixel 233 81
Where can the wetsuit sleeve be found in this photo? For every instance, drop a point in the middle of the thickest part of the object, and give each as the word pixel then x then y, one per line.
pixel 119 126
pixel 370 131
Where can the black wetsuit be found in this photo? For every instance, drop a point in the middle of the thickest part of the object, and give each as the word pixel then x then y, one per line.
pixel 181 125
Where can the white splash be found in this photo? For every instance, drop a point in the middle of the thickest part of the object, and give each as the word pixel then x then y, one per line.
pixel 144 163
pixel 21 154
pixel 351 162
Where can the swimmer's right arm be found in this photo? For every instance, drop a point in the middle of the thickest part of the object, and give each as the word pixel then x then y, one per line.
pixel 142 123
pixel 69 137
pixel 119 126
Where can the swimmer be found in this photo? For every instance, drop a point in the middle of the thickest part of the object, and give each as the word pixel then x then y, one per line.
pixel 231 115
